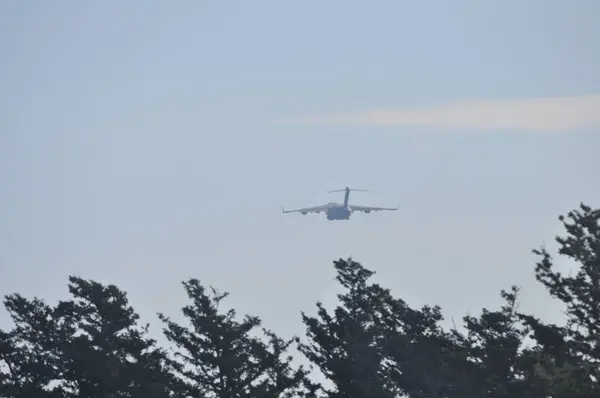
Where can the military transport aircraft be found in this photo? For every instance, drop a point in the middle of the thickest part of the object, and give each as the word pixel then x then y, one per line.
pixel 337 211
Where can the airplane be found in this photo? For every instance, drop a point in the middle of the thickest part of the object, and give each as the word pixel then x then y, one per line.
pixel 337 211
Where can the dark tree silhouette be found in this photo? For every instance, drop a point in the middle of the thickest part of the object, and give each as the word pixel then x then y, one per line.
pixel 570 354
pixel 374 344
pixel 25 369
pixel 218 356
pixel 346 346
pixel 499 365
pixel 90 346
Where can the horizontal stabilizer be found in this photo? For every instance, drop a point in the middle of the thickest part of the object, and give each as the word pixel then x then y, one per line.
pixel 349 189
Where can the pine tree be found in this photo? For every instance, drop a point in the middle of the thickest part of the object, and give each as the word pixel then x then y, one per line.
pixel 348 346
pixel 501 363
pixel 90 347
pixel 570 354
pixel 23 372
pixel 218 355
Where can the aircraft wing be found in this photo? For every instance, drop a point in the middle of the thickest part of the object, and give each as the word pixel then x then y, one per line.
pixel 368 209
pixel 315 209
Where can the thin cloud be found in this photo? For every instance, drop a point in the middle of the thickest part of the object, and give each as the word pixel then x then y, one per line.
pixel 549 114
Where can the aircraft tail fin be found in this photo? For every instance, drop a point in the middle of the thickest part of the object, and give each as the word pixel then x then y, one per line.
pixel 347 193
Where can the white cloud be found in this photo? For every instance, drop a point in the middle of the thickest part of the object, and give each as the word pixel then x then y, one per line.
pixel 553 113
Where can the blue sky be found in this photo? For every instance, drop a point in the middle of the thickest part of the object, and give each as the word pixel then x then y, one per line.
pixel 139 146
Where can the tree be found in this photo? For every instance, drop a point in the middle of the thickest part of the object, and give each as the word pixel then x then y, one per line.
pixel 570 354
pixel 90 346
pixel 346 346
pixel 425 361
pixel 217 356
pixel 376 345
pixel 26 368
pixel 501 365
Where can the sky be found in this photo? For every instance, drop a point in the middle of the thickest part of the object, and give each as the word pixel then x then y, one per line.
pixel 146 142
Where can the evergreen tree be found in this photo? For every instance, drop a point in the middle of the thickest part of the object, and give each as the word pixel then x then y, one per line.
pixel 25 367
pixel 570 354
pixel 373 344
pixel 500 362
pixel 345 346
pixel 426 361
pixel 218 356
pixel 90 347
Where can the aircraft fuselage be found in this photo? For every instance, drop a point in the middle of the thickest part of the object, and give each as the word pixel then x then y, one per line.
pixel 338 213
